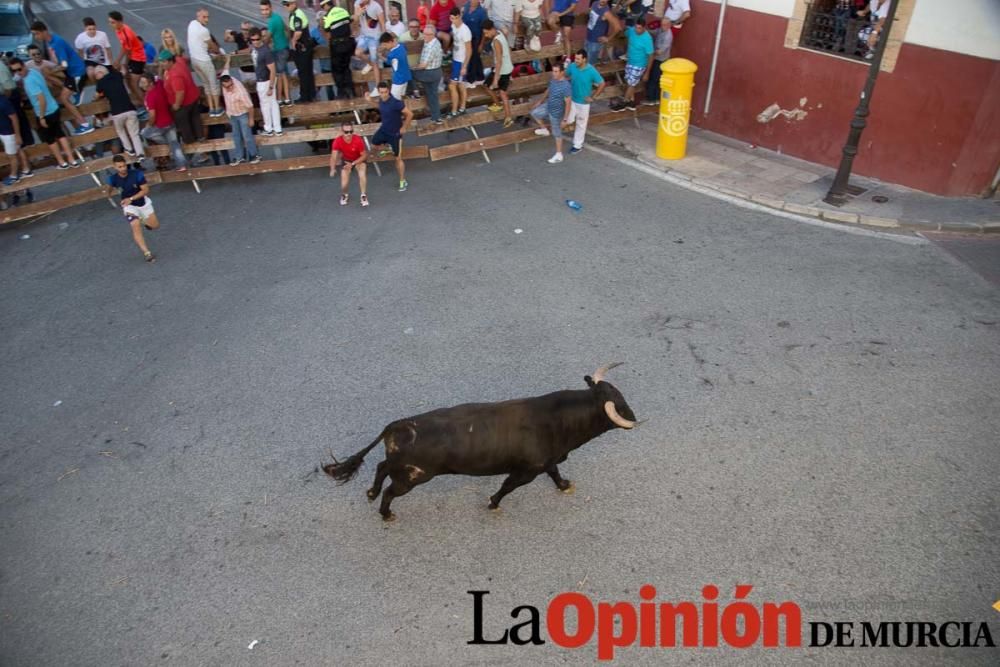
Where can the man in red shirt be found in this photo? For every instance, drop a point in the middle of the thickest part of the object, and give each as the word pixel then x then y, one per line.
pixel 183 95
pixel 160 125
pixel 132 59
pixel 352 148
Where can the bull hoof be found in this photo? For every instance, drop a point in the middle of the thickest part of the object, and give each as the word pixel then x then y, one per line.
pixel 389 518
pixel 569 487
pixel 493 506
pixel 372 494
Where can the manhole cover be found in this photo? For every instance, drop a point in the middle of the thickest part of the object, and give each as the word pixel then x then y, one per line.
pixel 880 199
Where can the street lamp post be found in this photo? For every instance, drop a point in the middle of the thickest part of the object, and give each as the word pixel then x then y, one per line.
pixel 838 193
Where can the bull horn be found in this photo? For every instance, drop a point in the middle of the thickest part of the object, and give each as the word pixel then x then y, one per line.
pixel 599 373
pixel 609 408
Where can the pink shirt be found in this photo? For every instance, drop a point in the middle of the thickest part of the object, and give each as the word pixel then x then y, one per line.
pixel 237 99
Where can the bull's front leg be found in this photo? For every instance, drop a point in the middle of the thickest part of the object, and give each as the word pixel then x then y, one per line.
pixel 513 481
pixel 561 483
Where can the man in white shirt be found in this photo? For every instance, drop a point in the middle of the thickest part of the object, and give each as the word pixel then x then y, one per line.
pixel 502 14
pixel 676 13
pixel 93 46
pixel 395 23
pixel 200 42
pixel 461 46
pixel 371 22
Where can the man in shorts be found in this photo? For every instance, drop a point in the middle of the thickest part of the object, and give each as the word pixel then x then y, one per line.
pixel 50 128
pixel 351 148
pixel 132 59
pixel 93 46
pixel 561 20
pixel 461 51
pixel 56 81
pixel 397 59
pixel 63 55
pixel 136 204
pixel 200 43
pixel 279 48
pixel 638 60
pixel 396 119
pixel 371 22
pixel 10 135
pixel 502 67
pixel 554 105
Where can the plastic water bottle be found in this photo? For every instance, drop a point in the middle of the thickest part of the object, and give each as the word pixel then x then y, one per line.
pixel 573 204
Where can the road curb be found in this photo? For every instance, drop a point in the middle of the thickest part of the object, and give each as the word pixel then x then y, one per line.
pixel 834 216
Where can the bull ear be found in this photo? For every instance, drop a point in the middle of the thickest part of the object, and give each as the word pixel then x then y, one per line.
pixel 589 380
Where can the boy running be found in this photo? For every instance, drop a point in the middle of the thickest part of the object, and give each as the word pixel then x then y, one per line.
pixel 136 204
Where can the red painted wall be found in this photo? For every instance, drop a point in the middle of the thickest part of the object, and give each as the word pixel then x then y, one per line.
pixel 934 120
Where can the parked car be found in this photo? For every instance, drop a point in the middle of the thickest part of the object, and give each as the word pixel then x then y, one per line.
pixel 16 18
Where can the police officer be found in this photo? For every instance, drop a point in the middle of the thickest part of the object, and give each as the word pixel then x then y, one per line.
pixel 301 45
pixel 337 23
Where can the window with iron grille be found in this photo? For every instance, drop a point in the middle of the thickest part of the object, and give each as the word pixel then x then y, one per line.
pixel 834 26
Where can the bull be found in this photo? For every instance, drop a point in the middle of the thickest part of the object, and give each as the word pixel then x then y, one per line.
pixel 520 438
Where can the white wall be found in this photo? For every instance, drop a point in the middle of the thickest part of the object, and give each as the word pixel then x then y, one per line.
pixel 971 27
pixel 964 26
pixel 783 8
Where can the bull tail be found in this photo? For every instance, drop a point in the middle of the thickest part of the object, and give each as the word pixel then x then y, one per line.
pixel 346 470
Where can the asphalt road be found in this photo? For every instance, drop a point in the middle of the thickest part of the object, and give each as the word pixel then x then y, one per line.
pixel 822 419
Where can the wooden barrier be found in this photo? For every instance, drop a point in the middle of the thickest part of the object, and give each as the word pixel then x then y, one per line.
pixel 520 87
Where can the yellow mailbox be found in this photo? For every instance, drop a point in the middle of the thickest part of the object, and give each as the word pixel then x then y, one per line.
pixel 676 85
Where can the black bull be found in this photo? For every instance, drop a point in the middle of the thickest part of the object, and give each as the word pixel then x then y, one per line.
pixel 521 438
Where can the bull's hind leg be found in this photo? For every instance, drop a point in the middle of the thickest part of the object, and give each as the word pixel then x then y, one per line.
pixel 513 481
pixel 394 490
pixel 561 483
pixel 381 472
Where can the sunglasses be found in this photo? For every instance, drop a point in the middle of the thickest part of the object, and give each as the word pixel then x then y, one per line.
pixel 348 131
pixel 16 69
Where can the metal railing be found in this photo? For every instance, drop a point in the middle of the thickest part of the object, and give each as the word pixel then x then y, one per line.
pixel 832 30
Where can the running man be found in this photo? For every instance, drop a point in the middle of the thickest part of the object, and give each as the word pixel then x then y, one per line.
pixel 136 204
pixel 396 118
pixel 352 148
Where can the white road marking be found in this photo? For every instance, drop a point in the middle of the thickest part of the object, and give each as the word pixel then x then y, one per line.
pixel 57 6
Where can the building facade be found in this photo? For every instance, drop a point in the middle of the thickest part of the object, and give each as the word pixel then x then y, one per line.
pixel 935 112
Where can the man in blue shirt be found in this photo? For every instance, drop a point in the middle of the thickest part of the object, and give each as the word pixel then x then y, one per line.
pixel 136 204
pixel 602 26
pixel 50 128
pixel 561 19
pixel 396 119
pixel 639 59
pixel 398 63
pixel 149 49
pixel 64 55
pixel 587 84
pixel 554 105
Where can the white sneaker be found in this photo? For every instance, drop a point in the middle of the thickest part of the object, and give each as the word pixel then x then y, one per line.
pixel 556 159
pixel 542 131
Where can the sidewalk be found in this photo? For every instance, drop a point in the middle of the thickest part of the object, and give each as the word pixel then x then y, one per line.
pixel 782 182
